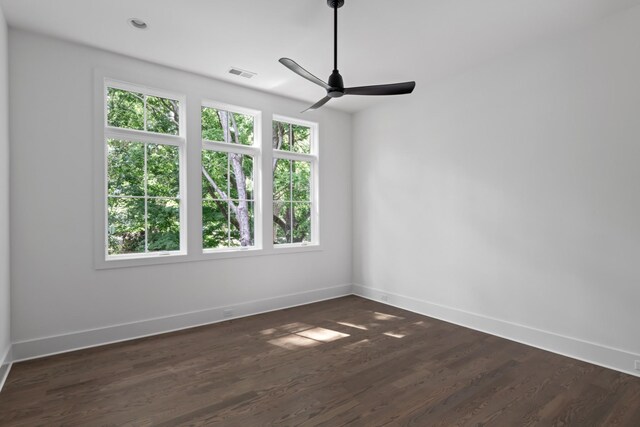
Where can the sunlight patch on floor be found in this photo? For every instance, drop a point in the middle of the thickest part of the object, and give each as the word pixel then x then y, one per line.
pixel 307 337
pixel 394 334
pixel 286 329
pixel 293 342
pixel 352 325
pixel 322 334
pixel 384 316
pixel 295 327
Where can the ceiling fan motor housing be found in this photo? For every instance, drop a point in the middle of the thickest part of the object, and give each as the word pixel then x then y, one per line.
pixel 337 85
pixel 334 4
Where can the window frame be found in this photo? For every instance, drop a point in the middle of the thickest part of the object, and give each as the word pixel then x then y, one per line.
pixel 146 137
pixel 190 130
pixel 314 159
pixel 255 151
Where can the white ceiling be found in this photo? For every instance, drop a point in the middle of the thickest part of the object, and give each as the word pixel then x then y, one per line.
pixel 381 41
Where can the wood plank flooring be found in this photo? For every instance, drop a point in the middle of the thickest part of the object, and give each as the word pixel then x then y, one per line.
pixel 342 362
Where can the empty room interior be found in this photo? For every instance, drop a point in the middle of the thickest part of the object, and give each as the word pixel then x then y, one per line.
pixel 320 213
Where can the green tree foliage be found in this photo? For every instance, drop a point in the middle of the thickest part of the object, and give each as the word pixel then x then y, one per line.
pixel 125 109
pixel 291 185
pixel 289 137
pixel 128 110
pixel 143 179
pixel 227 181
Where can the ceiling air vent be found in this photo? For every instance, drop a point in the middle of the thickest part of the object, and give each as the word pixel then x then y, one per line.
pixel 242 73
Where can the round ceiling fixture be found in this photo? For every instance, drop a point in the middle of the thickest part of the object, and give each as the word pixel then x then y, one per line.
pixel 138 23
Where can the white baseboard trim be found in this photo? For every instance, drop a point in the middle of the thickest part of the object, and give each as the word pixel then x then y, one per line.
pixel 48 346
pixel 612 358
pixel 5 366
pixel 597 354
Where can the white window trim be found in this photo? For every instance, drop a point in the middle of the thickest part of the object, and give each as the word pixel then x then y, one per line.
pixel 103 132
pixel 255 151
pixel 314 159
pixel 191 193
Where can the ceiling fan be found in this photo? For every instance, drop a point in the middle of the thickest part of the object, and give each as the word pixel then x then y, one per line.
pixel 335 86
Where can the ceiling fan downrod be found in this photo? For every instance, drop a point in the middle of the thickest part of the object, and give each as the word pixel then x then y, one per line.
pixel 335 79
pixel 335 5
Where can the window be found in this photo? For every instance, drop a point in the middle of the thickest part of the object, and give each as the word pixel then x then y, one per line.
pixel 230 177
pixel 144 147
pixel 295 164
pixel 141 182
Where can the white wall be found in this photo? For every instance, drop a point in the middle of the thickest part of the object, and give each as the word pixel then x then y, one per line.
pixel 5 300
pixel 55 288
pixel 510 194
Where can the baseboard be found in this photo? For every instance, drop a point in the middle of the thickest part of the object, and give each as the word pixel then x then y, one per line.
pixel 597 354
pixel 612 358
pixel 5 366
pixel 47 346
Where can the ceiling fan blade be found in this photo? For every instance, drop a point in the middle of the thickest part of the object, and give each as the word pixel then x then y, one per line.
pixel 296 68
pixel 390 89
pixel 318 104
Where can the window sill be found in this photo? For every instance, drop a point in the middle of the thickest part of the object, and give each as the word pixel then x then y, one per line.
pixel 295 248
pixel 205 255
pixel 135 260
pixel 230 253
pixel 123 257
pixel 211 254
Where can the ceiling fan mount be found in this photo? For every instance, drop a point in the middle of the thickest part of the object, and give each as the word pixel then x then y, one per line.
pixel 335 85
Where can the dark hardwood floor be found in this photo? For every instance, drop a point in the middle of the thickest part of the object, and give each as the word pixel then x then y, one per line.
pixel 348 361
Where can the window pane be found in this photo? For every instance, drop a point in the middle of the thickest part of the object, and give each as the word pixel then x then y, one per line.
pixel 163 165
pixel 247 167
pixel 241 176
pixel 301 222
pixel 215 224
pixel 301 176
pixel 125 109
pixel 281 222
pixel 244 131
pixel 125 168
pixel 234 236
pixel 282 180
pixel 227 224
pixel 301 139
pixel 288 137
pixel 292 186
pixel 163 115
pixel 227 219
pixel 281 133
pixel 215 169
pixel 252 221
pixel 212 128
pixel 126 226
pixel 163 222
pixel 223 126
pixel 242 224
